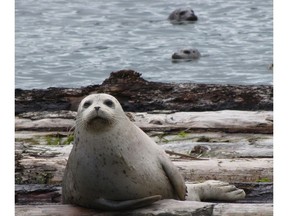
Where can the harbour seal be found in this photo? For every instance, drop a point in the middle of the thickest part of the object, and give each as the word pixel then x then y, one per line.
pixel 114 165
pixel 186 54
pixel 182 15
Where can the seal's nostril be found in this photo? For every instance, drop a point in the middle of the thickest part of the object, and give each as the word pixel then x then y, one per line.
pixel 97 108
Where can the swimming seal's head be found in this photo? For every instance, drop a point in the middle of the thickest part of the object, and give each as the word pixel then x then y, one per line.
pixel 182 15
pixel 186 54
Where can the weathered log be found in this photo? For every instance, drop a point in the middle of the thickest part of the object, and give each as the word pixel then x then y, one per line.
pixel 44 194
pixel 232 121
pixel 137 94
pixel 166 207
pixel 37 162
pixel 42 158
pixel 35 193
pixel 241 210
pixel 218 145
pixel 163 207
pixel 44 164
pixel 229 170
pixel 256 192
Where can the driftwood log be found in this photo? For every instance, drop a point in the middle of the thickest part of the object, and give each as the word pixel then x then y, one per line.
pixel 160 208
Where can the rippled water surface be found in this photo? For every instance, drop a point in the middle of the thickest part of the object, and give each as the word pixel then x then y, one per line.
pixel 73 43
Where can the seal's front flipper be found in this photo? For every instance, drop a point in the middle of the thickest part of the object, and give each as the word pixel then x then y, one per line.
pixel 175 178
pixel 112 205
pixel 212 190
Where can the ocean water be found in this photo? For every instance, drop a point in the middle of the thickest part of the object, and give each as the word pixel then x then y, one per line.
pixel 73 43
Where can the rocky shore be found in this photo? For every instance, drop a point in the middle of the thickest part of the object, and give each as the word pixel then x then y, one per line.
pixel 138 95
pixel 221 132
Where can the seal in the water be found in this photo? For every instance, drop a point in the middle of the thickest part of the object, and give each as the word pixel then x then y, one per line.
pixel 182 15
pixel 186 54
pixel 114 165
pixel 270 66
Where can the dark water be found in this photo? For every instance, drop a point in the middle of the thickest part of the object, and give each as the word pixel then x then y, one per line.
pixel 76 43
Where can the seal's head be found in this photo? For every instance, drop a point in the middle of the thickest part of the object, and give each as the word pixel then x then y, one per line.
pixel 182 15
pixel 97 112
pixel 186 54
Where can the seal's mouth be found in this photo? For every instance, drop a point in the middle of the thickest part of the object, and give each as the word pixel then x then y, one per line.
pixel 98 118
pixel 98 121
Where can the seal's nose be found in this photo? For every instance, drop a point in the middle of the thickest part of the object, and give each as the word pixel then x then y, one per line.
pixel 97 108
pixel 175 56
pixel 192 18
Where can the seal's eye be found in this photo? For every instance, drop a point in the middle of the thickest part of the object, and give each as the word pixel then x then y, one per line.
pixel 182 13
pixel 87 104
pixel 186 51
pixel 109 103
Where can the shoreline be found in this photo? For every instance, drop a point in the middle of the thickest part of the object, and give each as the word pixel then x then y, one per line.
pixel 139 95
pixel 228 127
